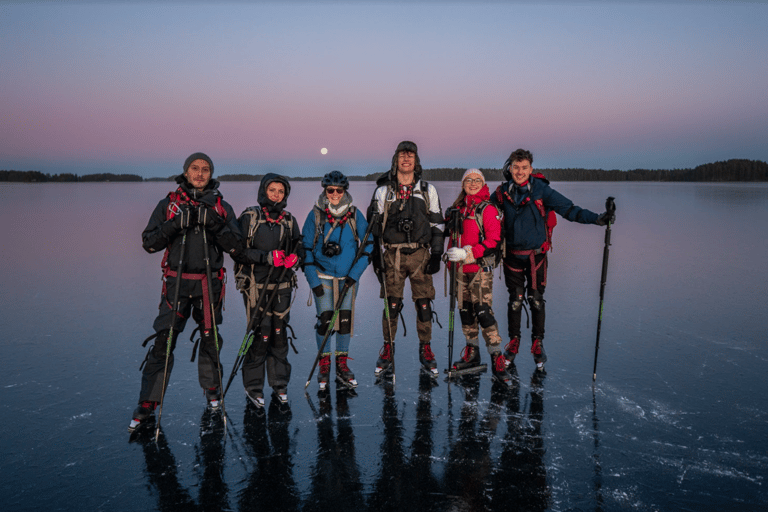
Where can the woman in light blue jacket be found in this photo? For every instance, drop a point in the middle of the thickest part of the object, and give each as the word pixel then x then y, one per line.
pixel 332 235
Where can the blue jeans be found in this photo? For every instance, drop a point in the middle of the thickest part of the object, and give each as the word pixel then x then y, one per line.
pixel 326 303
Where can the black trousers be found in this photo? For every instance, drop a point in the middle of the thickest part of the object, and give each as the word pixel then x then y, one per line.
pixel 517 275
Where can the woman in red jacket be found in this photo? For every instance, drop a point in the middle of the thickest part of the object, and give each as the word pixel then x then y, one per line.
pixel 476 250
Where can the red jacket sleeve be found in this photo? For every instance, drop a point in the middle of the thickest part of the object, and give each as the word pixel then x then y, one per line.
pixel 492 228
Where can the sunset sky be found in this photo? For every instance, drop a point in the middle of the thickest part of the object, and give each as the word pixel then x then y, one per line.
pixel 135 87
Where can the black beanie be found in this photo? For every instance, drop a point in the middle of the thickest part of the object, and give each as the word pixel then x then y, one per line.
pixel 197 156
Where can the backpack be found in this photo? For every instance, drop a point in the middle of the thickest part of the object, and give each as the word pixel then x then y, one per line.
pixel 391 197
pixel 550 219
pixel 320 222
pixel 244 273
pixel 176 198
pixel 257 218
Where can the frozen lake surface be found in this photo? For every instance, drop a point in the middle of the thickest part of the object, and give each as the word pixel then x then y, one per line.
pixel 678 418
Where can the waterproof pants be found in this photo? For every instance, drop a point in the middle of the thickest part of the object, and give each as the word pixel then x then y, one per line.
pixel 269 348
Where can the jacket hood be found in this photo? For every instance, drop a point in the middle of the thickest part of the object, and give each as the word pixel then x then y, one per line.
pixel 262 198
pixel 212 188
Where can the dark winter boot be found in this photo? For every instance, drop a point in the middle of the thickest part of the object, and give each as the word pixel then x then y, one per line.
pixel 343 374
pixel 384 363
pixel 539 356
pixel 470 357
pixel 427 359
pixel 213 397
pixel 510 351
pixel 325 372
pixel 141 413
pixel 500 369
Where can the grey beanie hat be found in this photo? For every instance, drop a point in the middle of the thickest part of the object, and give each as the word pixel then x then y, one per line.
pixel 197 156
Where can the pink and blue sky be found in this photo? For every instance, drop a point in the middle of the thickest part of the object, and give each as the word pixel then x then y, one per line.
pixel 135 87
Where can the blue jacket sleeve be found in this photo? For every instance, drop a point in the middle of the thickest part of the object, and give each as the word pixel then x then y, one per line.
pixel 308 236
pixel 566 209
pixel 362 226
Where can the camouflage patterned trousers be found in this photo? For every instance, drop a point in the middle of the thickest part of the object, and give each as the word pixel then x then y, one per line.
pixel 411 266
pixel 475 296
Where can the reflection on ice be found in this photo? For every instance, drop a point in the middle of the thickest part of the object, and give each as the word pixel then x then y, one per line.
pixel 676 420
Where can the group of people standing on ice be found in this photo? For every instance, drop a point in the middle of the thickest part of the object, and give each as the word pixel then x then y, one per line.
pixel 402 234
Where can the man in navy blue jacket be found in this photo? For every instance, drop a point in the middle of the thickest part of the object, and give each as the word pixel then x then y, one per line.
pixel 528 204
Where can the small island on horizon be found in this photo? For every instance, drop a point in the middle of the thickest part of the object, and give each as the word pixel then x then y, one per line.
pixel 725 171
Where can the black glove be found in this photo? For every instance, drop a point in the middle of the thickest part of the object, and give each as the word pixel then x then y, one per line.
pixel 183 219
pixel 377 263
pixel 231 244
pixel 318 290
pixel 379 273
pixel 433 265
pixel 604 218
pixel 349 282
pixel 210 219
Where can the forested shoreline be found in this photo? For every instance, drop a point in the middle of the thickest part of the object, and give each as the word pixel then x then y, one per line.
pixel 725 171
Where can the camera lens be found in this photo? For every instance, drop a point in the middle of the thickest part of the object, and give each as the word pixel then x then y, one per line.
pixel 331 249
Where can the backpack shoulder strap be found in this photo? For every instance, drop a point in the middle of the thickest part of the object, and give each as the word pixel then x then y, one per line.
pixel 319 220
pixel 425 193
pixel 353 224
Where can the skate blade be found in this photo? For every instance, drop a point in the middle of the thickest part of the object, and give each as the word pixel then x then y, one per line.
pixel 432 372
pixel 258 402
pixel 134 425
pixel 351 384
pixel 466 371
pixel 386 378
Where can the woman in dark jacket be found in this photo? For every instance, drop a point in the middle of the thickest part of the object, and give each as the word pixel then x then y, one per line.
pixel 332 235
pixel 273 244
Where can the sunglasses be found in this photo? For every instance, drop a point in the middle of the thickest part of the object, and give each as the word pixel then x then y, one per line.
pixel 332 190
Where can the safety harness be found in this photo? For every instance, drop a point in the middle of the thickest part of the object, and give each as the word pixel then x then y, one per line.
pixel 176 199
pixel 550 221
pixel 244 278
pixel 403 193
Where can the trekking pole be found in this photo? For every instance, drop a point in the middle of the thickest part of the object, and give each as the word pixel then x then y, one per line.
pixel 248 339
pixel 610 207
pixel 386 313
pixel 213 323
pixel 454 222
pixel 340 300
pixel 169 341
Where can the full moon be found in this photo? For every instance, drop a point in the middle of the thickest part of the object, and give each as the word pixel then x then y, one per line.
pixel 324 151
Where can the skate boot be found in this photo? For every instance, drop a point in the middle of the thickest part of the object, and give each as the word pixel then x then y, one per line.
pixel 344 375
pixel 281 395
pixel 427 360
pixel 510 351
pixel 384 363
pixel 256 398
pixel 213 397
pixel 470 357
pixel 141 413
pixel 325 372
pixel 539 356
pixel 499 372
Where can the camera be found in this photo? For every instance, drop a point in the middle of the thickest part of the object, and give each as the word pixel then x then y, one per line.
pixel 331 249
pixel 405 225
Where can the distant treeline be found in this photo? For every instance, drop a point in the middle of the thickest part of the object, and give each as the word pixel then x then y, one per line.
pixel 730 170
pixel 39 177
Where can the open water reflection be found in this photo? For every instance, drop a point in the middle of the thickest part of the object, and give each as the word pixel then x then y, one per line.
pixel 677 419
